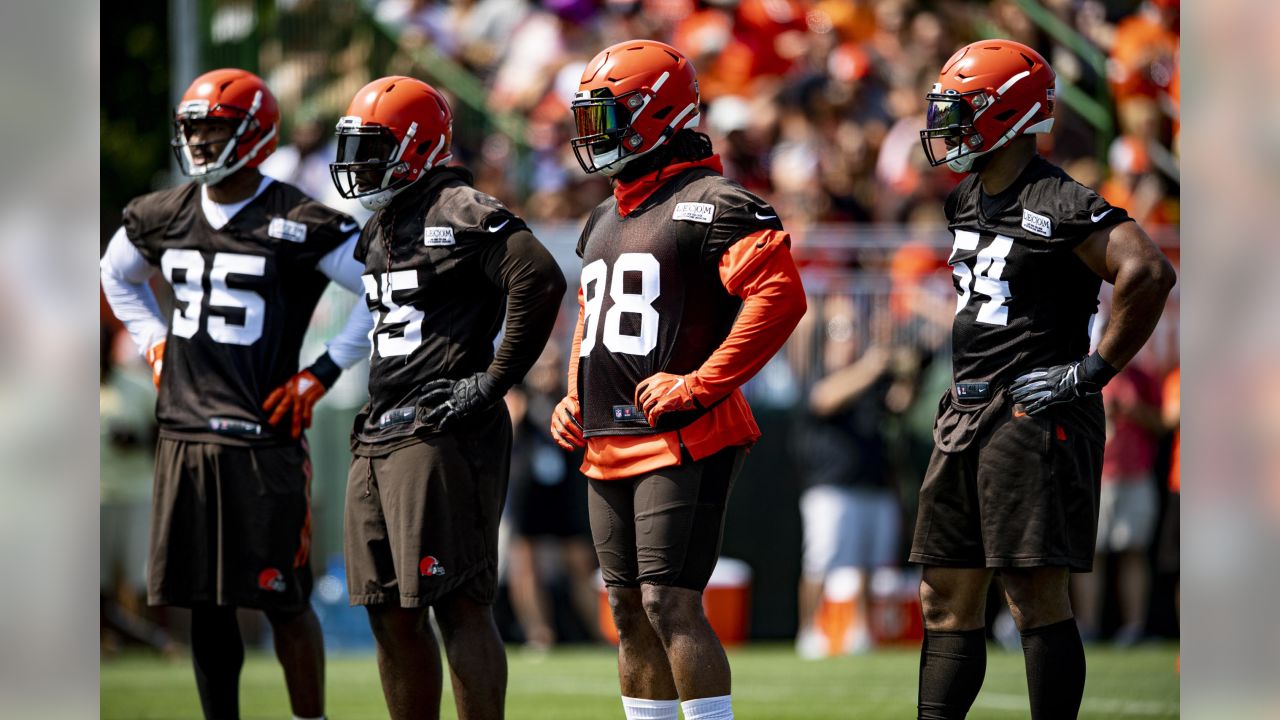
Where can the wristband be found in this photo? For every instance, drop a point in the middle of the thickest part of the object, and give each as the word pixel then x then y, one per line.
pixel 1097 370
pixel 325 370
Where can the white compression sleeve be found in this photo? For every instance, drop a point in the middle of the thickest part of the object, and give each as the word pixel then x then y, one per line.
pixel 351 344
pixel 124 274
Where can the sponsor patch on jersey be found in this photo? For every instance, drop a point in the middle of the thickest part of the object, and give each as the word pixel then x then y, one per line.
pixel 437 236
pixel 695 212
pixel 1036 223
pixel 290 230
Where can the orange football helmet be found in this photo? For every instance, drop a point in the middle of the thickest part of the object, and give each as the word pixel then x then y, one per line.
pixel 633 97
pixel 239 99
pixel 395 129
pixel 988 93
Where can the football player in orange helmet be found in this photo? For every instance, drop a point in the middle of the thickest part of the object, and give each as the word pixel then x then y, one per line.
pixel 687 289
pixel 444 266
pixel 1013 481
pixel 247 258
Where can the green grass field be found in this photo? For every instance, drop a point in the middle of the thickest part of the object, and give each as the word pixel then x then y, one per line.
pixel 581 684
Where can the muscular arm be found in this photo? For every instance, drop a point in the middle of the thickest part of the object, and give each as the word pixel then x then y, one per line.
pixel 534 285
pixel 1125 256
pixel 759 269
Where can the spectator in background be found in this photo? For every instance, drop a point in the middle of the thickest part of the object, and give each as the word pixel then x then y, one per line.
pixel 1144 51
pixel 128 429
pixel 732 126
pixel 304 163
pixel 1128 503
pixel 740 46
pixel 900 166
pixel 849 508
pixel 546 510
pixel 1132 184
pixel 1170 556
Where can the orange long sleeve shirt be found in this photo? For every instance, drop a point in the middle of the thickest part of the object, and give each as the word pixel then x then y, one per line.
pixel 759 270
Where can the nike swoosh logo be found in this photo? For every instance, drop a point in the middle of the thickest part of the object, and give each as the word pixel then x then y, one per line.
pixel 499 226
pixel 765 217
pixel 675 387
pixel 348 227
pixel 1019 413
pixel 1099 216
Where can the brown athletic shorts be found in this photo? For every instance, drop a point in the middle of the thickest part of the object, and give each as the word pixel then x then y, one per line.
pixel 664 527
pixel 1023 493
pixel 422 515
pixel 230 526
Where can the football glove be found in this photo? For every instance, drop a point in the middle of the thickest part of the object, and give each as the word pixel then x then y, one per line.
pixel 299 395
pixel 155 358
pixel 1045 387
pixel 662 393
pixel 446 402
pixel 566 424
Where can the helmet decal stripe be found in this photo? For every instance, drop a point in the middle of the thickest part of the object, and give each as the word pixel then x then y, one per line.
pixel 661 79
pixel 676 120
pixel 1013 131
pixel 1009 83
pixel 395 159
pixel 432 157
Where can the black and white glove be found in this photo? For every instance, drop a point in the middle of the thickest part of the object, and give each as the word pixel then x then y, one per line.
pixel 446 402
pixel 1043 387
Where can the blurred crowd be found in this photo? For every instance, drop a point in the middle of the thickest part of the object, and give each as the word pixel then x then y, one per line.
pixel 816 103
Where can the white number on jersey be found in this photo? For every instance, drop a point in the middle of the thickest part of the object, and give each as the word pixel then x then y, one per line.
pixel 190 290
pixel 984 279
pixel 385 344
pixel 594 277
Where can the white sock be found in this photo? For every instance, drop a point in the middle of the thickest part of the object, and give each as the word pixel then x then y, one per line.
pixel 643 709
pixel 713 708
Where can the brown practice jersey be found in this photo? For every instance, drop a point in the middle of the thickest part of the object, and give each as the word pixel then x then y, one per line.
pixel 653 300
pixel 243 297
pixel 1024 299
pixel 439 299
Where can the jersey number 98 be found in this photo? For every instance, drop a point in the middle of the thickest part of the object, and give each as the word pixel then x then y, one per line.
pixel 595 276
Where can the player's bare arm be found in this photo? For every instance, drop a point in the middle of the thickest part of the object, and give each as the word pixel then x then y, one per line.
pixel 1126 257
pixel 566 419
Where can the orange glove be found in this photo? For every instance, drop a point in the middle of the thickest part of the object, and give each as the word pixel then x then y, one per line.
pixel 299 395
pixel 155 358
pixel 662 393
pixel 566 424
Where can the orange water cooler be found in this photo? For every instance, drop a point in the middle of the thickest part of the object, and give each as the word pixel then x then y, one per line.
pixel 894 608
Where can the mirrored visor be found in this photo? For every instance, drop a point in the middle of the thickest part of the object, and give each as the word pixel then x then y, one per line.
pixel 597 117
pixel 949 113
pixel 366 147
